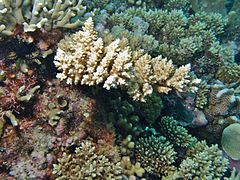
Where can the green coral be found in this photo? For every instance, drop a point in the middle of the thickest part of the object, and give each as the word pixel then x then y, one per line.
pixel 175 133
pixel 150 110
pixel 203 162
pixel 202 95
pixel 87 163
pixel 230 141
pixel 183 38
pixel 155 154
pixel 229 73
pixel 176 4
pixel 136 40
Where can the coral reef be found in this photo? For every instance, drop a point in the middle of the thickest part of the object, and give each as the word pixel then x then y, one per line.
pixel 111 89
pixel 81 59
pixel 229 73
pixel 202 93
pixel 18 89
pixel 136 39
pixel 39 22
pixel 61 106
pixel 182 37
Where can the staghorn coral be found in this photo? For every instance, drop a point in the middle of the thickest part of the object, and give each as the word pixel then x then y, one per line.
pixel 175 133
pixel 160 73
pixel 83 59
pixel 155 154
pixel 88 163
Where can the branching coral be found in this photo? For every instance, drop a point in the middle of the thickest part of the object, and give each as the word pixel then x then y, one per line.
pixel 157 72
pixel 202 95
pixel 137 39
pixel 175 133
pixel 182 37
pixel 203 162
pixel 33 15
pixel 229 73
pixel 88 163
pixel 82 58
pixel 155 154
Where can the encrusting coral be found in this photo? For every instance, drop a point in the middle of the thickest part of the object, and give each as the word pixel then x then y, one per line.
pixel 83 58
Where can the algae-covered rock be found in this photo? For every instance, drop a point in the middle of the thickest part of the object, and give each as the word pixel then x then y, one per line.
pixel 231 141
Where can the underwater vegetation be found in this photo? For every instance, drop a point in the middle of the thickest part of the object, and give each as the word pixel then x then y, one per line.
pixel 120 89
